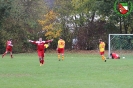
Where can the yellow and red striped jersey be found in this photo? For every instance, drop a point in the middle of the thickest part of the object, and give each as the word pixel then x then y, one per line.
pixel 61 43
pixel 102 46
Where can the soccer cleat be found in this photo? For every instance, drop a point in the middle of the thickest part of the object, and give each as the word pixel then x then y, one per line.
pixel 11 56
pixel 40 64
pixel 2 56
pixel 105 60
pixel 59 59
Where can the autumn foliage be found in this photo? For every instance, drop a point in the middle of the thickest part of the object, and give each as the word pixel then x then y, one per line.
pixel 50 25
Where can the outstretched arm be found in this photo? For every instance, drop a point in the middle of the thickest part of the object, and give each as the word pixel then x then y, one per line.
pixel 48 41
pixel 10 45
pixel 34 42
pixel 30 40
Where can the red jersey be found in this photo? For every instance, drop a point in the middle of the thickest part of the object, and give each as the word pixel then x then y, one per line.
pixel 115 56
pixel 40 45
pixel 9 44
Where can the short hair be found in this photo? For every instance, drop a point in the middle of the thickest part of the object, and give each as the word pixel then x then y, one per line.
pixel 60 37
pixel 100 39
pixel 10 39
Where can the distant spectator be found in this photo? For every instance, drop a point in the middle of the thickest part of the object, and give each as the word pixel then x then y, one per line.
pixel 75 43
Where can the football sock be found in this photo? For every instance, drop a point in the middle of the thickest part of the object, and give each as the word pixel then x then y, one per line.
pixel 3 55
pixel 58 57
pixel 11 56
pixel 42 61
pixel 62 57
pixel 103 57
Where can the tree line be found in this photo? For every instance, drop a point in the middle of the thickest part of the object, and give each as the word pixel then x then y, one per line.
pixel 84 20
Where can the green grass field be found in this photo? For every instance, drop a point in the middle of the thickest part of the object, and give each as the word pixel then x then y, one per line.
pixel 78 70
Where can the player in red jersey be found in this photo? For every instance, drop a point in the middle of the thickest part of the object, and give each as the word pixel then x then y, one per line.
pixel 115 56
pixel 8 48
pixel 40 49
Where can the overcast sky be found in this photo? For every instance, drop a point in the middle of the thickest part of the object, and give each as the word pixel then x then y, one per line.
pixel 50 2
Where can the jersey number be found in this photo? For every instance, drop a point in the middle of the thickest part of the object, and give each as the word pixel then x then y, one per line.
pixel 61 43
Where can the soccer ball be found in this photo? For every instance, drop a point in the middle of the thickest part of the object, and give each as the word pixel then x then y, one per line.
pixel 123 57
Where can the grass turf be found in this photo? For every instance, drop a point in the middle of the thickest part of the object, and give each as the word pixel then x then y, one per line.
pixel 78 70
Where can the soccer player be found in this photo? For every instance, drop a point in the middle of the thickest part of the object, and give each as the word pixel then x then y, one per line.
pixel 40 49
pixel 102 49
pixel 60 48
pixel 8 48
pixel 115 56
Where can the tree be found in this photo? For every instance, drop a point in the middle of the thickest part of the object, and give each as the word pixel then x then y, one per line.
pixel 50 26
pixel 19 22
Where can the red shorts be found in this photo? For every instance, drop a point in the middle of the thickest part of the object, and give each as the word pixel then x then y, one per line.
pixel 9 49
pixel 102 53
pixel 60 50
pixel 40 53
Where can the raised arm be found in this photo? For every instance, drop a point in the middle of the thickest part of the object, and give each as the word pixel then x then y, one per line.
pixel 34 42
pixel 48 41
pixel 10 45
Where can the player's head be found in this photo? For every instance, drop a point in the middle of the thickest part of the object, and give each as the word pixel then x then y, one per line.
pixel 60 37
pixel 10 39
pixel 40 39
pixel 100 40
pixel 111 56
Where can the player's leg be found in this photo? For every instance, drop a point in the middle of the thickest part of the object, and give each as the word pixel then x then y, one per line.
pixel 59 56
pixel 43 54
pixel 103 57
pixel 40 58
pixel 4 53
pixel 10 50
pixel 62 56
pixel 62 51
pixel 101 53
pixel 11 54
pixel 58 51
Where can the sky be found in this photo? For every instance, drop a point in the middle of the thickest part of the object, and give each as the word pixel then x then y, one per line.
pixel 50 2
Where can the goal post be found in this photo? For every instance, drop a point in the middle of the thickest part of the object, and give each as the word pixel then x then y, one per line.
pixel 121 44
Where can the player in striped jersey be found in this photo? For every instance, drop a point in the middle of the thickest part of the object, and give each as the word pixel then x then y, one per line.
pixel 102 49
pixel 61 48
